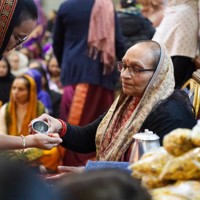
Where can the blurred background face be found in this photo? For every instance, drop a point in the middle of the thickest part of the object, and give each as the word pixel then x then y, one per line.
pixel 146 7
pixel 36 65
pixel 14 61
pixel 53 67
pixel 138 56
pixel 3 68
pixel 19 90
pixel 52 14
pixel 26 52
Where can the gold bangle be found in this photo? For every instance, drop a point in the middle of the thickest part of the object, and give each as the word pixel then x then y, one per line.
pixel 23 143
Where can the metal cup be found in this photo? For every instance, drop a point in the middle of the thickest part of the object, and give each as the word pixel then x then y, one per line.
pixel 39 126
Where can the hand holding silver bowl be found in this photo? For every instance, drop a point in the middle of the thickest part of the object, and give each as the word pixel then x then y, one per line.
pixel 39 126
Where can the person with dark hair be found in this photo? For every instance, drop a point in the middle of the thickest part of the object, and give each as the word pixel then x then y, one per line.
pixel 16 25
pixel 101 184
pixel 55 96
pixel 147 101
pixel 6 79
pixel 127 3
pixel 16 115
pixel 19 182
pixel 134 25
pixel 51 20
pixel 19 22
pixel 54 73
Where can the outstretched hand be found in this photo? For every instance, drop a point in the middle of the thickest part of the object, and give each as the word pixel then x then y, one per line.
pixel 64 171
pixel 43 141
pixel 70 170
pixel 54 124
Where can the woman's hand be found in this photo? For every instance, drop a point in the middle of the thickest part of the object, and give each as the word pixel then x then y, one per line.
pixel 64 171
pixel 54 124
pixel 43 141
pixel 70 170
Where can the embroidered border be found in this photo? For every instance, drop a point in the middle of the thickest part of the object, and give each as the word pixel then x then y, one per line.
pixel 6 12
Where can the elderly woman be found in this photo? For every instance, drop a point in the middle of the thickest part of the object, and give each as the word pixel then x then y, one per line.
pixel 147 101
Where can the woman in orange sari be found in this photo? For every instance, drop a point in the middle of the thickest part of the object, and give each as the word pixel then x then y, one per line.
pixel 17 19
pixel 16 115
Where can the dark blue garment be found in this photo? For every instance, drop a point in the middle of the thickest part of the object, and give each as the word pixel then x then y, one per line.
pixel 95 165
pixel 6 83
pixel 70 46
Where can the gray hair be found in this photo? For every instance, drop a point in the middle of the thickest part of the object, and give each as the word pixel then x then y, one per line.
pixel 156 52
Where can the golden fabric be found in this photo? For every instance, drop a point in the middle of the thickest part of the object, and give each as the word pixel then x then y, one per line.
pixel 34 109
pixel 50 158
pixel 194 94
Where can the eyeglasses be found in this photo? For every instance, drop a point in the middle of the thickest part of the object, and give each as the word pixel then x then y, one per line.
pixel 19 39
pixel 134 71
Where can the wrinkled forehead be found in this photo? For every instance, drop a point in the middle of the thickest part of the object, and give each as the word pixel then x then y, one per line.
pixel 139 45
pixel 149 45
pixel 146 52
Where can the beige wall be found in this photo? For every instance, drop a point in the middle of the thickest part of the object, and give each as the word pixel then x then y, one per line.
pixel 51 4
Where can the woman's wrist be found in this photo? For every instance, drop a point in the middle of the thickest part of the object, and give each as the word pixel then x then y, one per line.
pixel 23 143
pixel 63 128
pixel 30 142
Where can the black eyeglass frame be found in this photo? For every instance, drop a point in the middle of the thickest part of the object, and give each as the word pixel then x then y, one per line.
pixel 121 66
pixel 20 40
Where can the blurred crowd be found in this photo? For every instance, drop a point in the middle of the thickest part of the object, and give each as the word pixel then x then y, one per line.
pixel 62 82
pixel 67 68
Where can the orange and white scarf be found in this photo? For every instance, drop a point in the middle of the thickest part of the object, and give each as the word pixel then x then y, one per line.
pixel 34 109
